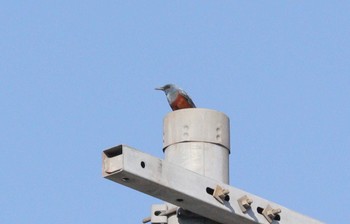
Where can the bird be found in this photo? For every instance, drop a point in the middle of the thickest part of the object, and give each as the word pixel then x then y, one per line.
pixel 177 98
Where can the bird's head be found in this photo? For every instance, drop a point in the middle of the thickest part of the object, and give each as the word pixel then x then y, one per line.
pixel 167 88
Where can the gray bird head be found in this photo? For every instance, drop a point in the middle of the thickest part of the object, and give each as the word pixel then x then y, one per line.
pixel 167 88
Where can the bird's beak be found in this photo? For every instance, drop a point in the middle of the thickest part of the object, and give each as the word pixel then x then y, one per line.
pixel 160 88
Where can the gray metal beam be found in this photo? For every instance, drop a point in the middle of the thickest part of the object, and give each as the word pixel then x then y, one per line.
pixel 189 190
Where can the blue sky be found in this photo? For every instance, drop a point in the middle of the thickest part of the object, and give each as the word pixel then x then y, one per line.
pixel 78 77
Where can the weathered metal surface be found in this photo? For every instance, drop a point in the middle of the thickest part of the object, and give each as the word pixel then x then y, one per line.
pixel 187 189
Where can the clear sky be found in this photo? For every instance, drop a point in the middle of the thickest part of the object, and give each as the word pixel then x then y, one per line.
pixel 78 77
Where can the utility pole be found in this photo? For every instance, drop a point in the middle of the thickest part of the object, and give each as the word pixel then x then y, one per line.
pixel 193 179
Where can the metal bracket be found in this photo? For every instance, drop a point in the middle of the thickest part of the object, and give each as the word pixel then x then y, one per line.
pixel 160 213
pixel 220 194
pixel 189 190
pixel 269 213
pixel 245 203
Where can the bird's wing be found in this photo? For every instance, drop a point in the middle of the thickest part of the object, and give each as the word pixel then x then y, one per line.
pixel 188 98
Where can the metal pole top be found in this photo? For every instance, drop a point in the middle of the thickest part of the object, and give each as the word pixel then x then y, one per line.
pixel 196 125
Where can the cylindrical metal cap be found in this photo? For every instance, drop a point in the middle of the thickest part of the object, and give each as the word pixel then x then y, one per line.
pixel 196 124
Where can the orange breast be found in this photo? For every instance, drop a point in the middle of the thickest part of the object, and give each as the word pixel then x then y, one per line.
pixel 180 103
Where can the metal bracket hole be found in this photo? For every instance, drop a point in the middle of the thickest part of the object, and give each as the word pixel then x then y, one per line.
pixel 210 190
pixel 227 198
pixel 143 164
pixel 125 179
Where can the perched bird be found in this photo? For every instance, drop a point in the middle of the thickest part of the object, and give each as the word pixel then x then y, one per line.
pixel 177 98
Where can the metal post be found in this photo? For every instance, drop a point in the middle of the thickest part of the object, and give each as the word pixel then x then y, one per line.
pixel 193 176
pixel 199 140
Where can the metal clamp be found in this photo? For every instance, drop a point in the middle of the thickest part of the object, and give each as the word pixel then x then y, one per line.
pixel 220 194
pixel 245 203
pixel 160 213
pixel 269 213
